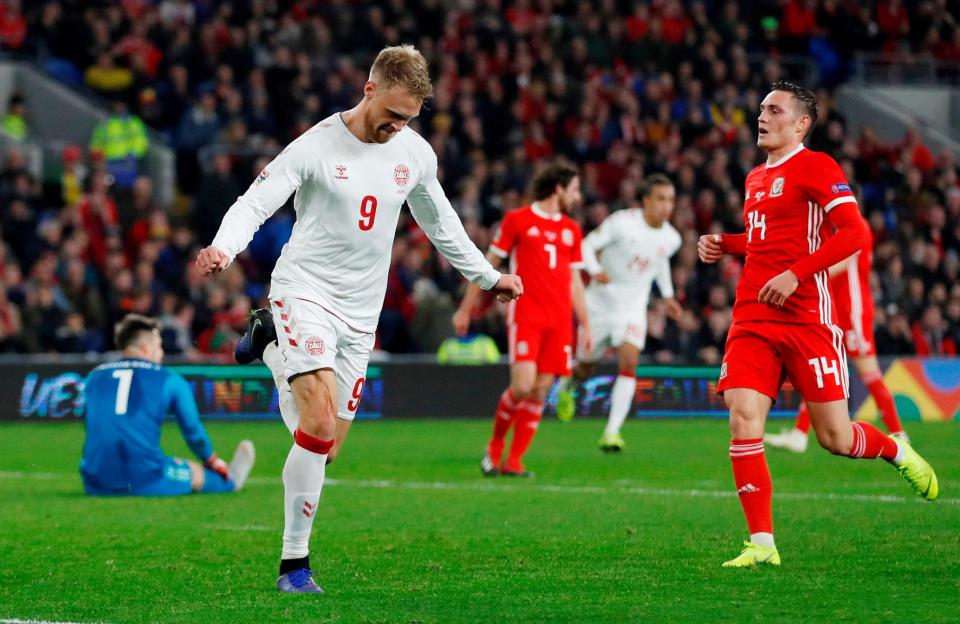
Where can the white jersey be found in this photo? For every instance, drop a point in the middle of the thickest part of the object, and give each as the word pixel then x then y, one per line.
pixel 633 255
pixel 348 200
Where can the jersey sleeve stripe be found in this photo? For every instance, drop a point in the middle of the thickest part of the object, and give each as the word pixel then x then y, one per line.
pixel 840 200
pixel 497 251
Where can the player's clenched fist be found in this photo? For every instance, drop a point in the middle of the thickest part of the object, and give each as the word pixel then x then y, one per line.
pixel 709 249
pixel 212 260
pixel 508 288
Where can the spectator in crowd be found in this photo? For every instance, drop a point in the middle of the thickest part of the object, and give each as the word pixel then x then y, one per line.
pixel 666 87
pixel 123 141
pixel 14 122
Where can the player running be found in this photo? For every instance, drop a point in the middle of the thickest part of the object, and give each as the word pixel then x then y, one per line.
pixel 543 244
pixel 850 288
pixel 783 317
pixel 126 403
pixel 635 245
pixel 351 173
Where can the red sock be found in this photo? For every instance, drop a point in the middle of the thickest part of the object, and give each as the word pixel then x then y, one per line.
pixel 528 419
pixel 803 418
pixel 871 443
pixel 752 477
pixel 502 419
pixel 885 403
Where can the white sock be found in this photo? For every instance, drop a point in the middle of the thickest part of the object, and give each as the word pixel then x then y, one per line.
pixel 762 539
pixel 288 407
pixel 901 453
pixel 621 398
pixel 302 481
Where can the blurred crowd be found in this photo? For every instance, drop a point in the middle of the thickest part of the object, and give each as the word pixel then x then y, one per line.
pixel 623 89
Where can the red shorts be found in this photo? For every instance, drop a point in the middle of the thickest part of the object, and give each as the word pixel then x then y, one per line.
pixel 760 355
pixel 550 347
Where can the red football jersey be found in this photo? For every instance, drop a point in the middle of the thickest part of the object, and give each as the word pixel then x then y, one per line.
pixel 786 212
pixel 542 249
pixel 851 290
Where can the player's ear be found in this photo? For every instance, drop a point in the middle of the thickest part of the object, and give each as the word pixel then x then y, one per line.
pixel 369 88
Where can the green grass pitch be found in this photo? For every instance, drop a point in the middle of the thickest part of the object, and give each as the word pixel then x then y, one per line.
pixel 409 531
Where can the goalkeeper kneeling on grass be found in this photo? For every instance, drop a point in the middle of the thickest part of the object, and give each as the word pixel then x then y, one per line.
pixel 126 402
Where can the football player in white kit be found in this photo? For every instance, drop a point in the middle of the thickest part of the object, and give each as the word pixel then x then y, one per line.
pixel 635 246
pixel 351 173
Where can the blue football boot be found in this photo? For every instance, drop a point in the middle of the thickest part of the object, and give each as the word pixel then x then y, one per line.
pixel 298 582
pixel 260 332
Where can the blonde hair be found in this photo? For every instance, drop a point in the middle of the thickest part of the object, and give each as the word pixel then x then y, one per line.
pixel 402 66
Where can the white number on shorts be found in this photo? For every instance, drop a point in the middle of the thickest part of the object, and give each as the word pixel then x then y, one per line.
pixel 822 366
pixel 757 220
pixel 552 252
pixel 123 389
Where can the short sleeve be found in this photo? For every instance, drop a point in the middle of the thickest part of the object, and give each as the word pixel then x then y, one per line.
pixel 827 185
pixel 505 237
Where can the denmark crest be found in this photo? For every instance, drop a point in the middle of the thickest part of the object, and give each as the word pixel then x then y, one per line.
pixel 401 173
pixel 314 345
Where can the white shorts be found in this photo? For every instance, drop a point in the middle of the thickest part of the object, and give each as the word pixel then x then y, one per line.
pixel 611 331
pixel 311 338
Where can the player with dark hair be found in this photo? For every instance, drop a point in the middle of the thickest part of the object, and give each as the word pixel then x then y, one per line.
pixel 784 322
pixel 126 403
pixel 543 244
pixel 634 246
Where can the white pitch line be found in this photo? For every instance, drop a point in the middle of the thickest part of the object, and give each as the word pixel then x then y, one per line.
pixel 499 486
pixel 19 474
pixel 595 489
pixel 15 621
pixel 254 528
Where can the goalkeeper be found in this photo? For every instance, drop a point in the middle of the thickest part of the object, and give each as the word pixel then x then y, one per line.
pixel 126 402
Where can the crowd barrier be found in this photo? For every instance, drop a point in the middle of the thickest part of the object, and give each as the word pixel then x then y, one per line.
pixel 924 389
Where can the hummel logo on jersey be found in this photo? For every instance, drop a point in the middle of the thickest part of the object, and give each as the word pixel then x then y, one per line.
pixel 341 172
pixel 748 489
pixel 777 189
pixel 533 231
pixel 262 177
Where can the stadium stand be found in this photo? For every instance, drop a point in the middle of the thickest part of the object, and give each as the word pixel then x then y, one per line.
pixel 624 89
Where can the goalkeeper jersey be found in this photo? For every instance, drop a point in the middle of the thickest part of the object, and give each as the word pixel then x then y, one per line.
pixel 126 403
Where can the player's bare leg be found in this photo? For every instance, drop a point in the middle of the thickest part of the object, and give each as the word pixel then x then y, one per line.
pixel 526 419
pixel 621 397
pixel 861 440
pixel 748 414
pixel 343 428
pixel 315 394
pixel 868 368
